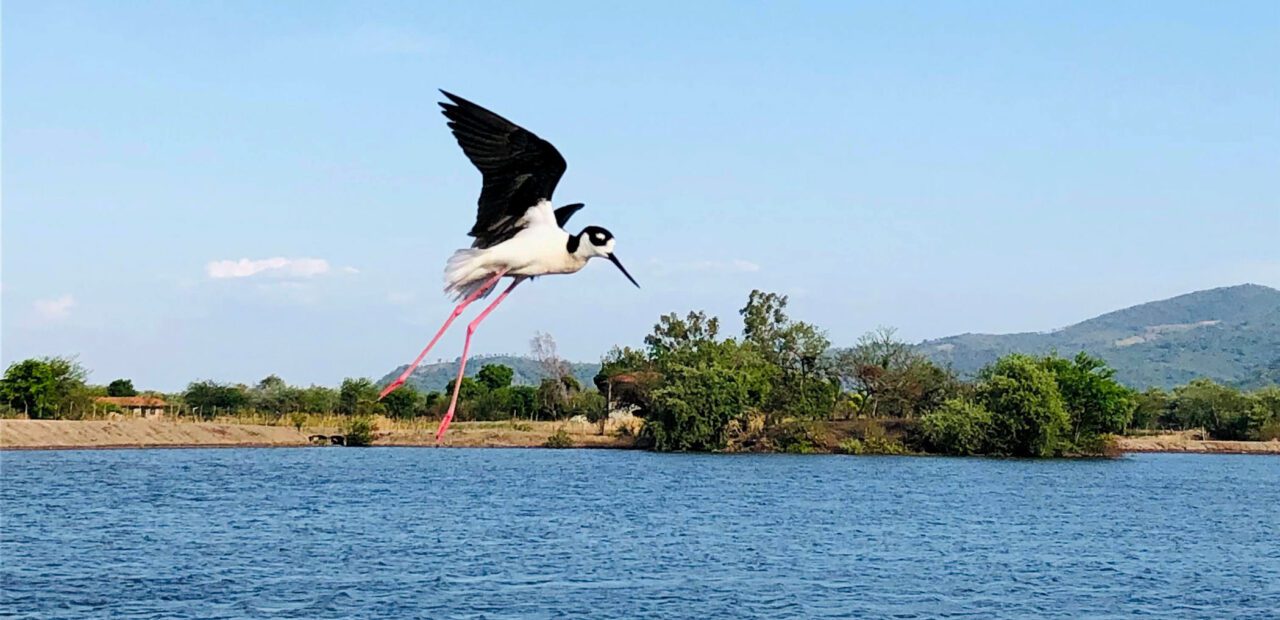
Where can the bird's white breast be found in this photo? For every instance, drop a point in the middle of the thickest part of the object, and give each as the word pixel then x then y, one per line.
pixel 539 249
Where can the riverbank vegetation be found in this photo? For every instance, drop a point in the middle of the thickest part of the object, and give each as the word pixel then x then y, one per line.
pixel 779 385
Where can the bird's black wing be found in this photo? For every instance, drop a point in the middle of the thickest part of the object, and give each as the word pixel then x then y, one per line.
pixel 564 213
pixel 519 168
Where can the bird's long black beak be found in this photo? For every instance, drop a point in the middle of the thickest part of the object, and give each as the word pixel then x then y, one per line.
pixel 614 259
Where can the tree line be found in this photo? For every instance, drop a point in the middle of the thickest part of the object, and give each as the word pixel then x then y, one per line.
pixel 777 385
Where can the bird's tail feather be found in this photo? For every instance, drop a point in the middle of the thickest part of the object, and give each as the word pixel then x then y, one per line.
pixel 464 273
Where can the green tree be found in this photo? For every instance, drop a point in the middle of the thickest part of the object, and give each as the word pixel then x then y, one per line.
pixel 273 395
pixel 359 431
pixel 495 376
pixel 1027 414
pixel 691 412
pixel 958 427
pixel 1151 408
pixel 121 387
pixel 318 399
pixel 804 382
pixel 1222 411
pixel 588 404
pixel 676 340
pixel 404 402
pixel 42 388
pixel 1264 415
pixel 521 400
pixel 1096 402
pixel 550 399
pixel 209 398
pixel 895 379
pixel 358 397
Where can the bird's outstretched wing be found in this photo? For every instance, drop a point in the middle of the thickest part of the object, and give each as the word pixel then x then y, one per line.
pixel 519 168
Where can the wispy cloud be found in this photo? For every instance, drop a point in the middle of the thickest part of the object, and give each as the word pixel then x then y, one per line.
pixel 279 267
pixel 55 309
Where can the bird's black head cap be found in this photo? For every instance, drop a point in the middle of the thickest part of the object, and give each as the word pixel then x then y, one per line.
pixel 596 235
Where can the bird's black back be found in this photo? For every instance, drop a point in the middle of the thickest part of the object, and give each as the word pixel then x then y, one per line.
pixel 518 167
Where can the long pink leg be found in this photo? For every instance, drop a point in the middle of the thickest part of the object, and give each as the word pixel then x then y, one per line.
pixel 462 366
pixel 449 321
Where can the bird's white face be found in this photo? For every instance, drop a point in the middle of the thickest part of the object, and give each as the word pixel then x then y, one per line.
pixel 594 242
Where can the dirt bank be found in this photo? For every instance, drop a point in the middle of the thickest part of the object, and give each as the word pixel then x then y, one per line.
pixel 505 435
pixel 1191 442
pixel 132 433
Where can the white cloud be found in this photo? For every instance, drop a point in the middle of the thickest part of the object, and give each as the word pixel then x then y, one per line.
pixel 54 309
pixel 277 267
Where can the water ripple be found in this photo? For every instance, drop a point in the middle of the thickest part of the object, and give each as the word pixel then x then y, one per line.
pixel 403 533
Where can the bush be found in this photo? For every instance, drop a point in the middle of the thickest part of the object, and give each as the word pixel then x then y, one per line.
pixel 872 445
pixel 959 427
pixel 359 431
pixel 693 410
pixel 589 405
pixel 43 388
pixel 1222 411
pixel 558 439
pixel 297 420
pixel 1097 445
pixel 798 437
pixel 1270 431
pixel 1027 414
pixel 1096 403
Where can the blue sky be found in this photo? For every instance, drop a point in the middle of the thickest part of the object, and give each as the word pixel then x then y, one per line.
pixel 938 167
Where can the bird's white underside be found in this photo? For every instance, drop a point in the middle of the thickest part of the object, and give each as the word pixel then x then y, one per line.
pixel 539 249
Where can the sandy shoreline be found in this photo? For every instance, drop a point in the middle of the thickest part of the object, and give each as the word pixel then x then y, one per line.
pixel 158 433
pixel 1186 442
pixel 138 433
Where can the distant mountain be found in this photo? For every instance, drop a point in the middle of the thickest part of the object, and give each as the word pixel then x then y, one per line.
pixel 1231 335
pixel 435 377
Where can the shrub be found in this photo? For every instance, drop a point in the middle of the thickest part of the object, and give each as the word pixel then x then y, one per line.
pixel 1097 445
pixel 1270 431
pixel 872 445
pixel 1096 403
pixel 297 420
pixel 558 439
pixel 958 427
pixel 797 437
pixel 1221 410
pixel 693 410
pixel 850 446
pixel 1027 414
pixel 359 431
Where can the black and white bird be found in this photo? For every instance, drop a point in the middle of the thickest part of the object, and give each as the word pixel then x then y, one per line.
pixel 518 233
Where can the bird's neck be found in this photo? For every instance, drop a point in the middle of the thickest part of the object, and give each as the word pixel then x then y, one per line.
pixel 576 248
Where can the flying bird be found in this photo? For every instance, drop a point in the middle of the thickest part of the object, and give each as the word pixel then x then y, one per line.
pixel 518 233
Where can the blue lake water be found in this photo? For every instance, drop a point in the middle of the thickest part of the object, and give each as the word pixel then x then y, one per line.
pixel 421 533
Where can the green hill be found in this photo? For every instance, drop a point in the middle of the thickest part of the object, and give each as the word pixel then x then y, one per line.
pixel 434 377
pixel 1229 334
